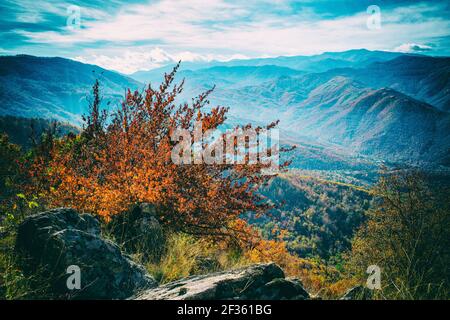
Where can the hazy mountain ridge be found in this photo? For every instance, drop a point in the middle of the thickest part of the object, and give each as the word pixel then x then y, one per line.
pixel 380 122
pixel 54 88
pixel 376 103
pixel 368 115
pixel 423 78
pixel 313 63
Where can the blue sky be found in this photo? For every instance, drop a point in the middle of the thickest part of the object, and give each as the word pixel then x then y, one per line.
pixel 136 35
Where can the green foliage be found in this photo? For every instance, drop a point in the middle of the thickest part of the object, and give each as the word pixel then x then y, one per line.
pixel 13 284
pixel 13 202
pixel 320 216
pixel 9 167
pixel 408 236
pixel 14 207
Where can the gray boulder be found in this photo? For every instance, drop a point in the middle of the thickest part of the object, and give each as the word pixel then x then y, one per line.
pixel 52 241
pixel 283 289
pixel 261 281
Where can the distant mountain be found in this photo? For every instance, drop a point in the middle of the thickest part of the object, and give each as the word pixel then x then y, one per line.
pixel 316 63
pixel 322 62
pixel 224 75
pixel 380 104
pixel 334 106
pixel 54 88
pixel 380 122
pixel 424 78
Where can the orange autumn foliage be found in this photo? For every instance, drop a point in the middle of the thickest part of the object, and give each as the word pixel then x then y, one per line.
pixel 126 159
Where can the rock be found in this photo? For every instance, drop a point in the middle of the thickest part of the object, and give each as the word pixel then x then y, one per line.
pixel 138 231
pixel 282 289
pixel 358 293
pixel 261 281
pixel 52 241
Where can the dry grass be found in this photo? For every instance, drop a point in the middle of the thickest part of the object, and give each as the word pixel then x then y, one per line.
pixel 186 256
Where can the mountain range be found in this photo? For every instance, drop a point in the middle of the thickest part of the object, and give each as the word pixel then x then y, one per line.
pixel 54 88
pixel 382 105
pixel 316 63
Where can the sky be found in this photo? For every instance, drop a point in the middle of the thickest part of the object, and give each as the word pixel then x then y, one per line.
pixel 128 36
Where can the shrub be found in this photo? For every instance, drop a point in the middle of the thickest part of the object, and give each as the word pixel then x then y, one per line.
pixel 407 235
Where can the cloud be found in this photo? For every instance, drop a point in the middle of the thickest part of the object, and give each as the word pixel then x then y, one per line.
pixel 151 34
pixel 130 61
pixel 412 47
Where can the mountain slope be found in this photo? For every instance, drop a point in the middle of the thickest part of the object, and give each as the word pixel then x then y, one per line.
pixel 54 88
pixel 421 77
pixel 318 63
pixel 424 78
pixel 315 63
pixel 373 110
pixel 224 75
pixel 380 122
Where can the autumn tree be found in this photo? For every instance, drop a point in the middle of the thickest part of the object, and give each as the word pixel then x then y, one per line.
pixel 125 159
pixel 407 235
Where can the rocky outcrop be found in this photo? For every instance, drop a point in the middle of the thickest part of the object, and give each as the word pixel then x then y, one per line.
pixel 50 242
pixel 138 231
pixel 256 282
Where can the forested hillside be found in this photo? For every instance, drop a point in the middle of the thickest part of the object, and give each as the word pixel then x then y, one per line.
pixel 22 131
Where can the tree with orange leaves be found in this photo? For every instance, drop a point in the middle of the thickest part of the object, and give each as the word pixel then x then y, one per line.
pixel 114 164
